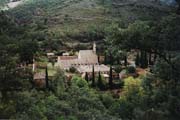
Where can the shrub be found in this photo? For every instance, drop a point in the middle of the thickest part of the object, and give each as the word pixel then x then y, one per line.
pixel 78 81
pixel 72 69
pixel 107 100
pixel 117 69
pixel 131 69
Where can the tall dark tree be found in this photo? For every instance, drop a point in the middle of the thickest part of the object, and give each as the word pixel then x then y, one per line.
pixel 110 77
pixel 154 58
pixel 144 59
pixel 111 60
pixel 125 60
pixel 105 58
pixel 137 61
pixel 150 58
pixel 100 84
pixel 98 58
pixel 47 79
pixel 93 77
pixel 86 77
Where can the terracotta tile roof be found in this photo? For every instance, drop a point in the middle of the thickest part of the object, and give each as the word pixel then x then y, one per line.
pixel 67 57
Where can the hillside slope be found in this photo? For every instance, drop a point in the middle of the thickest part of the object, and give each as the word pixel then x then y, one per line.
pixel 76 20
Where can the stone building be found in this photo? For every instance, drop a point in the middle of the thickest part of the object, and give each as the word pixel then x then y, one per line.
pixel 83 62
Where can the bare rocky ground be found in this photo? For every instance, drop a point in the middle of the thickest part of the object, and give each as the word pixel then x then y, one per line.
pixel 14 4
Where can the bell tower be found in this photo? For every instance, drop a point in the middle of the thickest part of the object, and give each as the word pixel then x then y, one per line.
pixel 94 47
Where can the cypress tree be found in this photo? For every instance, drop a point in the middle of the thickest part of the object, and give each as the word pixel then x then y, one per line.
pixel 105 59
pixel 86 77
pixel 145 60
pixel 46 78
pixel 98 59
pixel 142 59
pixel 125 60
pixel 110 78
pixel 100 84
pixel 111 59
pixel 93 77
pixel 137 61
pixel 154 58
pixel 150 57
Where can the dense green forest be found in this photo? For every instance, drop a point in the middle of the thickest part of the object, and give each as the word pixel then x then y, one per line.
pixel 35 27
